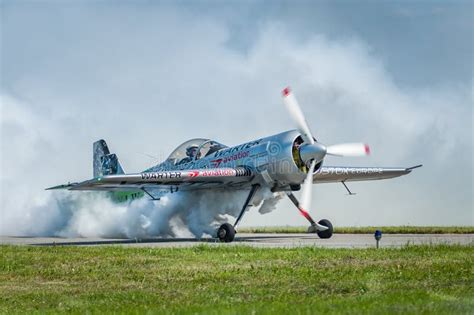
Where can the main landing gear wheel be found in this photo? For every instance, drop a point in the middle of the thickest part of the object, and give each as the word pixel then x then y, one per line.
pixel 326 233
pixel 226 233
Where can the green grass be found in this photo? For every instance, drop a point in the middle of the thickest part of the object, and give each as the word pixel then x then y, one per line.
pixel 237 280
pixel 367 229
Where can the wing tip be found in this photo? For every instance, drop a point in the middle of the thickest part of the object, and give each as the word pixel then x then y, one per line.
pixel 64 186
pixel 413 167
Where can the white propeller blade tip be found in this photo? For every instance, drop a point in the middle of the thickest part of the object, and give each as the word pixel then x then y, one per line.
pixel 349 149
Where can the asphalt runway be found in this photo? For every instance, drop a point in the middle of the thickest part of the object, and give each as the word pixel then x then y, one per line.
pixel 257 240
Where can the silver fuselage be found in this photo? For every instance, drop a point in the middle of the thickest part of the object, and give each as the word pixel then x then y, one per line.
pixel 271 158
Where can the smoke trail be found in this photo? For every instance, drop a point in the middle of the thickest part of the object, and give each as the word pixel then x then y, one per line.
pixel 270 202
pixel 83 214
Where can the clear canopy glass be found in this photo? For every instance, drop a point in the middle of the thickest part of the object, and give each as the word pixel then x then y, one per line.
pixel 194 149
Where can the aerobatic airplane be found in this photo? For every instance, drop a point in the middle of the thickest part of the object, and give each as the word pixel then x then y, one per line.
pixel 285 162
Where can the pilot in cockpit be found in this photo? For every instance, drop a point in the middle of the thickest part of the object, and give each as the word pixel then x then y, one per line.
pixel 191 152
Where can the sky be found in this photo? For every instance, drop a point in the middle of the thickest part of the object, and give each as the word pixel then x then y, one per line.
pixel 148 75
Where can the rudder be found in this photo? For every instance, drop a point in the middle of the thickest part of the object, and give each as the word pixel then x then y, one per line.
pixel 104 163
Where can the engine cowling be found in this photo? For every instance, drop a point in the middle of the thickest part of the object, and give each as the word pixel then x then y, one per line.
pixel 286 165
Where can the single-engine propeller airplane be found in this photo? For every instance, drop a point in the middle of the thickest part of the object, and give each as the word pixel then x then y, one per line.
pixel 286 162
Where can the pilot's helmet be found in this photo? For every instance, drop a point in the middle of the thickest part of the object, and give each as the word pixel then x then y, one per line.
pixel 191 150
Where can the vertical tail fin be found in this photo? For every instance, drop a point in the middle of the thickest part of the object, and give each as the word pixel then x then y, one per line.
pixel 105 163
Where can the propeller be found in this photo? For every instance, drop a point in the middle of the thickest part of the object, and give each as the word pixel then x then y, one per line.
pixel 307 187
pixel 295 111
pixel 312 152
pixel 303 206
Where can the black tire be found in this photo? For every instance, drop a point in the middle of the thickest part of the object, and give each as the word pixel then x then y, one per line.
pixel 328 232
pixel 226 233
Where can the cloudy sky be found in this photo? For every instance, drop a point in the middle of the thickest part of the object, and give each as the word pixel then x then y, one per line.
pixel 148 75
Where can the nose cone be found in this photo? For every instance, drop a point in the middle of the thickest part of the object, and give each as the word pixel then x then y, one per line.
pixel 315 151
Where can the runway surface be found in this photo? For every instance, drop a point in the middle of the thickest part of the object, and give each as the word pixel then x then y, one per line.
pixel 258 240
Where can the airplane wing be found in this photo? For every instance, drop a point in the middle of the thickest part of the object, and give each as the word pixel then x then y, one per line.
pixel 159 183
pixel 333 174
pixel 166 180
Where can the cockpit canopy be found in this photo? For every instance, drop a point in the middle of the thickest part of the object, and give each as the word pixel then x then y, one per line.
pixel 194 149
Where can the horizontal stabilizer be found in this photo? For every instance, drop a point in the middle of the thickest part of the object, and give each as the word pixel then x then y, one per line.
pixel 64 186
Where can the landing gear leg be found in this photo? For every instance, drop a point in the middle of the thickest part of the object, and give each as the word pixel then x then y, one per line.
pixel 226 231
pixel 323 228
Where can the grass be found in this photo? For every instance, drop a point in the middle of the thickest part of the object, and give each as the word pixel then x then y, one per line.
pixel 367 229
pixel 237 280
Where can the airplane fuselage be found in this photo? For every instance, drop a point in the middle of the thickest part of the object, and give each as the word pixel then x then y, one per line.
pixel 273 157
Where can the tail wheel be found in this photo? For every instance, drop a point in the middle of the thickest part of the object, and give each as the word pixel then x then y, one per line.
pixel 327 233
pixel 226 233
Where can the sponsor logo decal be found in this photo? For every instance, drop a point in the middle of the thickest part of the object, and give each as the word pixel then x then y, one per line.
pixel 218 172
pixel 193 173
pixel 238 148
pixel 161 175
pixel 234 157
pixel 349 171
pixel 216 163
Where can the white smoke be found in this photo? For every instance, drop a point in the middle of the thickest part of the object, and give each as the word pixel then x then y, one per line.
pixel 270 202
pixel 92 214
pixel 178 215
